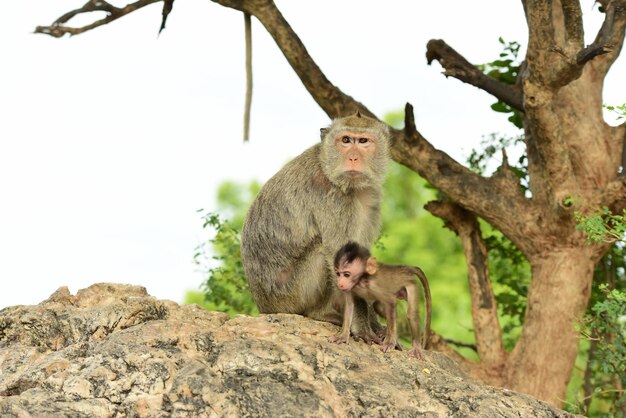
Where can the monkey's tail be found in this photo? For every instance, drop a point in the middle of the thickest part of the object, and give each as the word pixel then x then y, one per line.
pixel 426 337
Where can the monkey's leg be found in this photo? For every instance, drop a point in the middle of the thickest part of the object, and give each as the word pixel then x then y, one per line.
pixel 391 339
pixel 413 317
pixel 376 310
pixel 361 324
pixel 344 335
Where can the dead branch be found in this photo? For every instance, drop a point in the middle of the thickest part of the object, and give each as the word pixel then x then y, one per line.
pixel 484 308
pixel 58 28
pixel 409 146
pixel 455 65
pixel 603 42
pixel 167 8
pixel 495 199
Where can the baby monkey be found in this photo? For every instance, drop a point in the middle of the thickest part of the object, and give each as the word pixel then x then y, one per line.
pixel 358 273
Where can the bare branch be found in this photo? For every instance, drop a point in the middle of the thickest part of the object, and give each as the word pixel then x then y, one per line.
pixel 330 98
pixel 58 29
pixel 167 8
pixel 458 67
pixel 603 42
pixel 498 199
pixel 490 198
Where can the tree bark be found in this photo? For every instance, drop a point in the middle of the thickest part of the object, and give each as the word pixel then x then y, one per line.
pixel 543 359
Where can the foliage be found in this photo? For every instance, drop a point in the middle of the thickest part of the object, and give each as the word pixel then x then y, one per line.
pixel 479 160
pixel 226 288
pixel 602 225
pixel 608 325
pixel 619 110
pixel 506 70
pixel 508 268
pixel 600 390
pixel 510 275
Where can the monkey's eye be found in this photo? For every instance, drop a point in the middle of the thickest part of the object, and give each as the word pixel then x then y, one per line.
pixel 346 275
pixel 363 140
pixel 345 139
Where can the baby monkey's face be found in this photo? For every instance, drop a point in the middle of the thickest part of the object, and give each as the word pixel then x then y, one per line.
pixel 349 274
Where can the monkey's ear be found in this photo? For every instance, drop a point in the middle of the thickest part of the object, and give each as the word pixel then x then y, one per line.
pixel 323 132
pixel 371 265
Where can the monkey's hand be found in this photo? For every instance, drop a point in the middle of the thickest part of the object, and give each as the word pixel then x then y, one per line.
pixel 339 339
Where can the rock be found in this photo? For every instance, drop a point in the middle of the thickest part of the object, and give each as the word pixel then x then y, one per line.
pixel 113 350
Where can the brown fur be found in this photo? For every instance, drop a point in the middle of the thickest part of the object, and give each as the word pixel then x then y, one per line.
pixel 359 274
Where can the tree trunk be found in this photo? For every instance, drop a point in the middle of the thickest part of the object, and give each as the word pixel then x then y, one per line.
pixel 543 359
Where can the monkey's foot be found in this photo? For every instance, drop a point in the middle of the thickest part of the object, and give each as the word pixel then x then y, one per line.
pixel 339 339
pixel 368 337
pixel 388 346
pixel 417 353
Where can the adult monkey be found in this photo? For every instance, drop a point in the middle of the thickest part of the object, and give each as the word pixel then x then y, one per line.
pixel 328 195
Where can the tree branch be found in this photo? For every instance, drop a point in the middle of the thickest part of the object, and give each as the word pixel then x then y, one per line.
pixel 495 199
pixel 603 43
pixel 330 98
pixel 573 18
pixel 565 58
pixel 458 67
pixel 58 29
pixel 484 309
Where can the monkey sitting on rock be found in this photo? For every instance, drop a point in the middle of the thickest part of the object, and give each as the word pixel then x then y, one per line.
pixel 359 274
pixel 325 197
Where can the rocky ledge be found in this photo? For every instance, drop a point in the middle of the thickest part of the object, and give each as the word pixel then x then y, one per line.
pixel 112 350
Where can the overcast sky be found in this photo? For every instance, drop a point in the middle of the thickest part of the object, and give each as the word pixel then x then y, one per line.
pixel 111 141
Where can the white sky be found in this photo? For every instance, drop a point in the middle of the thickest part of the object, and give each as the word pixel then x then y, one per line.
pixel 111 140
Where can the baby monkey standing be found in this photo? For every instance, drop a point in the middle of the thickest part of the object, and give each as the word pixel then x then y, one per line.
pixel 358 273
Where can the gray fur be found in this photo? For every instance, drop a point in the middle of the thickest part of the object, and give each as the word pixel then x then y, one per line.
pixel 302 216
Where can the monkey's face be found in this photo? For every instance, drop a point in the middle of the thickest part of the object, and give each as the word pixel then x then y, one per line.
pixel 349 274
pixel 355 152
pixel 356 149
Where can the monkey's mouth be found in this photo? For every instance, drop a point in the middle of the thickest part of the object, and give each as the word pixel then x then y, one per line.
pixel 353 174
